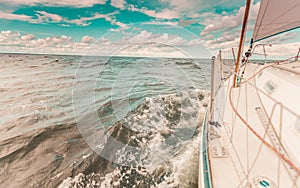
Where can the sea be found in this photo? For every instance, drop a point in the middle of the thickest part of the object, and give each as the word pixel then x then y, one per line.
pixel 87 121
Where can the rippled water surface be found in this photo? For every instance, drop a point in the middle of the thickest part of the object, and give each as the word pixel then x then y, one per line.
pixel 72 121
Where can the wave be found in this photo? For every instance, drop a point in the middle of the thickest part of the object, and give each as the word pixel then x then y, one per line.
pixel 158 143
pixel 149 139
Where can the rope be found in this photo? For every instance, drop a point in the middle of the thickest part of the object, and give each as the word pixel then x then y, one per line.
pixel 279 136
pixel 283 157
pixel 268 66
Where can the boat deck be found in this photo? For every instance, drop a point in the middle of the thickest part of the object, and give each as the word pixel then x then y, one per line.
pixel 260 119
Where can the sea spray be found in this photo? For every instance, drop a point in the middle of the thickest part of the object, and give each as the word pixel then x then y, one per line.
pixel 151 138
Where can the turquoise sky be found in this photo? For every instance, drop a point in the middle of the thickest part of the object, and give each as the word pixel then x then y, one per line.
pixel 197 28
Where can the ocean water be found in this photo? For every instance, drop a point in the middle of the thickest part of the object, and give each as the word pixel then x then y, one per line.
pixel 74 121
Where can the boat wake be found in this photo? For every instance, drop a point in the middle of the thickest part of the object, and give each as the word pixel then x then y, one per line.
pixel 159 145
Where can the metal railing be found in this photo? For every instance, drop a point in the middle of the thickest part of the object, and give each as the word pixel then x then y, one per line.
pixel 204 164
pixel 222 69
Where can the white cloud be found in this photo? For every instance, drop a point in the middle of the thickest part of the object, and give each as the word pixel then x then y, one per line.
pixel 283 38
pixel 143 44
pixel 227 40
pixel 42 17
pixel 55 42
pixel 47 17
pixel 9 37
pixel 120 24
pixel 87 39
pixel 146 43
pixel 192 5
pixel 115 30
pixel 186 5
pixel 12 16
pixel 225 22
pixel 228 26
pixel 118 3
pixel 28 37
pixel 15 38
pixel 71 3
pixel 64 25
pixel 183 9
pixel 148 37
pixel 164 14
pixel 152 50
pixel 163 23
pixel 29 43
pixel 85 21
pixel 8 33
pixel 167 14
pixel 187 22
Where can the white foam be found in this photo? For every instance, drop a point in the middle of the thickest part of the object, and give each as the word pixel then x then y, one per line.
pixel 181 164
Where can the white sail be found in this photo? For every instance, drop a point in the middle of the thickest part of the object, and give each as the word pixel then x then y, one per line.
pixel 276 16
pixel 251 135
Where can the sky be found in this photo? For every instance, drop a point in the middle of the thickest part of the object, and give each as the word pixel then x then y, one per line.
pixel 159 28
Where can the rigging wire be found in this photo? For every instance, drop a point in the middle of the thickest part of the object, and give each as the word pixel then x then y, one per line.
pixel 283 157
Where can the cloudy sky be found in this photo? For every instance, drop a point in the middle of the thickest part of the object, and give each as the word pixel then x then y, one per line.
pixel 175 28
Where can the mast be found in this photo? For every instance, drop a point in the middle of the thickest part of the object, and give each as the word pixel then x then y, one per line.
pixel 243 33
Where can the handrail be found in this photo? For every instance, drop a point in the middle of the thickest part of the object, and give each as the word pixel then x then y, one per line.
pixel 296 58
pixel 288 70
pixel 222 58
pixel 265 67
pixel 226 57
pixel 264 54
pixel 283 157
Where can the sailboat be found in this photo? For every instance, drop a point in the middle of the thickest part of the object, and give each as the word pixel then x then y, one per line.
pixel 251 133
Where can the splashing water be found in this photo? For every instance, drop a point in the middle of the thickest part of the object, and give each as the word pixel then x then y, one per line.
pixel 155 122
